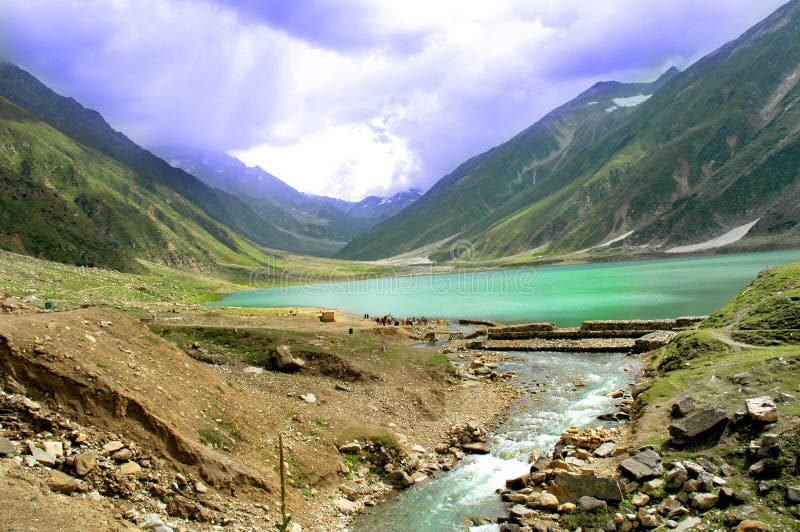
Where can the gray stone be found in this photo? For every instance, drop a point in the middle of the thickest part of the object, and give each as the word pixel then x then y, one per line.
pixel 519 511
pixel 286 362
pixel 682 407
pixel 793 494
pixel 693 468
pixel 706 464
pixel 7 447
pixel 652 485
pixel 590 504
pixel 150 522
pixel 84 463
pixel 344 506
pixel 606 449
pixel 785 398
pixel 706 421
pixel 762 409
pixel 643 466
pixel 570 488
pixel 308 398
pixel 677 476
pixel 705 501
pixel 688 523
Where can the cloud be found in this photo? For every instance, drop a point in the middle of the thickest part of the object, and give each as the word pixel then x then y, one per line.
pixel 358 96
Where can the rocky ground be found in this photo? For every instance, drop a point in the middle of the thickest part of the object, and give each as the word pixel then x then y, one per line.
pixel 104 423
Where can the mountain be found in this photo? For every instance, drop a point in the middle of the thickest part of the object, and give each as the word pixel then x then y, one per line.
pixel 321 225
pixel 680 161
pixel 88 127
pixel 68 202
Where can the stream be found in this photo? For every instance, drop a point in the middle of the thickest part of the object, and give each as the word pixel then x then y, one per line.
pixel 533 426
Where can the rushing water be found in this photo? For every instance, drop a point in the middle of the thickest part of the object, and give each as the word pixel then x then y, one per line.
pixel 533 426
pixel 565 294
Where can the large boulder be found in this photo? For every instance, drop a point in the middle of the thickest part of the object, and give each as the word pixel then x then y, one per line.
pixel 570 488
pixel 703 423
pixel 643 465
pixel 286 362
pixel 399 479
pixel 762 409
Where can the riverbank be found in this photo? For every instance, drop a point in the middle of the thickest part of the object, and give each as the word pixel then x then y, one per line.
pixel 196 402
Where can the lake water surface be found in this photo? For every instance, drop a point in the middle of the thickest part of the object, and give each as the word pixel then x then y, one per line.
pixel 647 289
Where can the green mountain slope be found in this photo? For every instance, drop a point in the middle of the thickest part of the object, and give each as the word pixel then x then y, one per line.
pixel 715 147
pixel 66 202
pixel 89 128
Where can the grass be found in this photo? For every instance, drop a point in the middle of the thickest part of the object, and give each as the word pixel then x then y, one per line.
pixel 714 373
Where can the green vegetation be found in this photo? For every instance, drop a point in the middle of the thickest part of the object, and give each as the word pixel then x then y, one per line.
pixel 716 369
pixel 689 346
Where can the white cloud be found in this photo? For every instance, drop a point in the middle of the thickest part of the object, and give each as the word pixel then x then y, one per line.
pixel 369 97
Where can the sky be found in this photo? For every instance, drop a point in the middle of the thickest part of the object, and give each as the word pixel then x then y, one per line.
pixel 354 97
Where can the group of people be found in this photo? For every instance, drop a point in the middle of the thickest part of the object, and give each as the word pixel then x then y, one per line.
pixel 388 319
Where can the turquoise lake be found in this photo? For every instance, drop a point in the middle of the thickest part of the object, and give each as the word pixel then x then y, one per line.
pixel 645 289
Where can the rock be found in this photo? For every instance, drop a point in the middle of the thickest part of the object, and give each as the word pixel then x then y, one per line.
pixel 652 485
pixel 42 457
pixel 476 448
pixel 286 362
pixel 253 370
pixel 151 522
pixel 509 527
pixel 519 511
pixel 517 483
pixel 694 469
pixel 762 409
pixel 200 487
pixel 84 463
pixel 642 466
pixel 399 479
pixel 61 482
pixel 548 501
pixel 646 519
pixel 7 447
pixel 350 447
pixel 764 468
pixel 606 449
pixel 113 446
pixel 55 448
pixel 590 504
pixel 570 488
pixel 785 398
pixel 309 398
pixel 566 508
pixel 123 455
pixel 793 495
pixel 344 506
pixel 703 423
pixel 295 527
pixel 640 499
pixel 751 525
pixel 705 501
pixel 677 476
pixel 683 406
pixel 130 468
pixel 688 523
pixel 706 464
